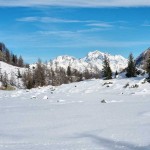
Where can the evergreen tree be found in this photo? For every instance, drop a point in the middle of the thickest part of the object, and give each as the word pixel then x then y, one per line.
pixel 19 74
pixel 107 73
pixel 1 55
pixel 14 59
pixel 20 62
pixel 131 68
pixel 116 73
pixel 69 71
pixel 8 59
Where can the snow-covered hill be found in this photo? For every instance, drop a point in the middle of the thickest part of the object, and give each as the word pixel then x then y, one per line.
pixel 91 61
pixel 141 60
pixel 72 117
pixel 12 72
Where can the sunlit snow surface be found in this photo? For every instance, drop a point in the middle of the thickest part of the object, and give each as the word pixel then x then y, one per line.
pixel 72 117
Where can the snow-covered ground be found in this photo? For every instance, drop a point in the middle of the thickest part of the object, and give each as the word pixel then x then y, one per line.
pixel 72 117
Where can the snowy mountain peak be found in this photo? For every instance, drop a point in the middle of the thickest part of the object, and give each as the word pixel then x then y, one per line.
pixel 100 55
pixel 93 59
pixel 64 58
pixel 95 54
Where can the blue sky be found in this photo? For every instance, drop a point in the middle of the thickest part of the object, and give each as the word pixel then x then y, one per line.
pixel 46 29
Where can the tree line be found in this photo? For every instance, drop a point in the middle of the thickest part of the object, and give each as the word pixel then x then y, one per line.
pixel 42 75
pixel 131 70
pixel 9 57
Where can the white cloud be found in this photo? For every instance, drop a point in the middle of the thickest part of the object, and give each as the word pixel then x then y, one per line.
pixel 48 19
pixel 101 24
pixel 91 23
pixel 76 3
pixel 66 33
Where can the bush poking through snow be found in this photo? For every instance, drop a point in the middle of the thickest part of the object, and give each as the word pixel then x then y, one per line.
pixel 33 97
pixel 134 86
pixel 103 101
pixel 126 85
pixel 107 83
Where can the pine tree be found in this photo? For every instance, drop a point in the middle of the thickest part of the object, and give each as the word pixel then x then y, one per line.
pixel 107 73
pixel 19 74
pixel 131 68
pixel 14 60
pixel 1 55
pixel 116 73
pixel 69 71
pixel 20 62
pixel 8 59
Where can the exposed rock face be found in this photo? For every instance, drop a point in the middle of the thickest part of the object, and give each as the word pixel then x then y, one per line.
pixel 141 61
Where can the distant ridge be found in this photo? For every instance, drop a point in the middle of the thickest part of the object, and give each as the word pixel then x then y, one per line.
pixel 92 60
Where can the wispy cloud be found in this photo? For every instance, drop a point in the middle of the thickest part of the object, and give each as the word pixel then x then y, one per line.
pixel 66 33
pixel 76 3
pixel 91 23
pixel 48 19
pixel 101 24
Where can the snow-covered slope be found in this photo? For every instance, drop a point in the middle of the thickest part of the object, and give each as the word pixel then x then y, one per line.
pixel 73 117
pixel 65 61
pixel 141 60
pixel 117 62
pixel 12 72
pixel 92 60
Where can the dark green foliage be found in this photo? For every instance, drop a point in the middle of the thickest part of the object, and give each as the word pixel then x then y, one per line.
pixel 14 60
pixel 69 71
pixel 126 85
pixel 10 58
pixel 116 73
pixel 107 73
pixel 131 68
pixel 20 62
pixel 19 74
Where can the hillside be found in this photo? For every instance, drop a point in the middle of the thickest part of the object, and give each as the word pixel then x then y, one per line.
pixel 141 60
pixel 12 73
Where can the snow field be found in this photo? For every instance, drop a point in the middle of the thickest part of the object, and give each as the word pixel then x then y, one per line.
pixel 72 117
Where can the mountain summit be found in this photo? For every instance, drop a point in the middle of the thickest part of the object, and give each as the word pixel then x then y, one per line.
pixel 92 60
